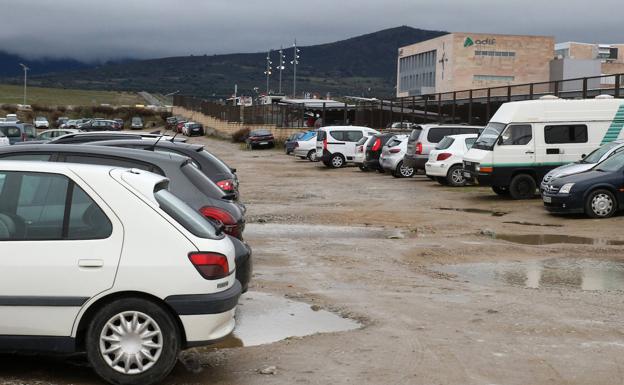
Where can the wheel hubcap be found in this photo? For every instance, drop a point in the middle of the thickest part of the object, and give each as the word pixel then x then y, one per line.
pixel 131 342
pixel 313 156
pixel 406 171
pixel 602 205
pixel 337 161
pixel 457 176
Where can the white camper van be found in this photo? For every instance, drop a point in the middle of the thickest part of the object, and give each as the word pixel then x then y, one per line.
pixel 524 140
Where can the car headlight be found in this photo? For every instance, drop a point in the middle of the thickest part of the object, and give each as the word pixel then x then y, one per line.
pixel 477 167
pixel 565 189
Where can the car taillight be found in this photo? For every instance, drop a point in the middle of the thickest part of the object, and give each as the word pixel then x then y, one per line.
pixel 360 148
pixel 226 185
pixel 210 265
pixel 395 150
pixel 376 145
pixel 419 148
pixel 325 144
pixel 443 156
pixel 230 226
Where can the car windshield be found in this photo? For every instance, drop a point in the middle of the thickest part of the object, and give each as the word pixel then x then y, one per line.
pixel 612 164
pixel 597 154
pixel 308 135
pixel 185 215
pixel 488 137
pixel 260 132
pixel 445 143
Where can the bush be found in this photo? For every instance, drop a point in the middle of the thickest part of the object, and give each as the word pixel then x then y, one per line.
pixel 40 108
pixel 240 135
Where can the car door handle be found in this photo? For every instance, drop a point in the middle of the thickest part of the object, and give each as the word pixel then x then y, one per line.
pixel 529 152
pixel 91 263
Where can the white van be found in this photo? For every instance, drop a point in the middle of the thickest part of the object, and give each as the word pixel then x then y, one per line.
pixel 525 140
pixel 335 145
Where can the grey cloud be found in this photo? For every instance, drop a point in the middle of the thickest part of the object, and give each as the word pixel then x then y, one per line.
pixel 101 30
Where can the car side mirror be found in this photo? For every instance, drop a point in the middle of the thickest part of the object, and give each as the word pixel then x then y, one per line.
pixel 500 140
pixel 583 156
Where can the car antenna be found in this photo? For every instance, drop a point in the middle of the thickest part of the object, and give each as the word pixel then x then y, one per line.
pixel 174 136
pixel 156 142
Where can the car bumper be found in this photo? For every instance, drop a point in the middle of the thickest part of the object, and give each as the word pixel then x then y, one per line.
pixel 415 161
pixel 563 204
pixel 372 164
pixel 389 164
pixel 436 169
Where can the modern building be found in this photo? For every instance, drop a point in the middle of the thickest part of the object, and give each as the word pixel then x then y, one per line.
pixel 575 60
pixel 463 61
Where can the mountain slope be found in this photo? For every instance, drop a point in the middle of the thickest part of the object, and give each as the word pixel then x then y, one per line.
pixel 10 65
pixel 361 65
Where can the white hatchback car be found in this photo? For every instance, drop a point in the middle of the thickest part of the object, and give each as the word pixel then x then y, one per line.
pixel 445 163
pixel 391 158
pixel 80 269
pixel 306 149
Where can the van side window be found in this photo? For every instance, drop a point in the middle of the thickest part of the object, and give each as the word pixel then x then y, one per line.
pixel 517 135
pixel 353 136
pixel 338 135
pixel 568 133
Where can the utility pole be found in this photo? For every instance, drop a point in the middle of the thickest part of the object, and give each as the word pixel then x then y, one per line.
pixel 281 67
pixel 294 62
pixel 26 69
pixel 268 70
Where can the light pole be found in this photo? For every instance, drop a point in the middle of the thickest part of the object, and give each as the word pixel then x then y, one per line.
pixel 25 79
pixel 281 67
pixel 268 70
pixel 294 62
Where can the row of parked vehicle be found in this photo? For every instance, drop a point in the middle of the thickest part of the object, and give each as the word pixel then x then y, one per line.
pixel 183 126
pixel 126 246
pixel 570 149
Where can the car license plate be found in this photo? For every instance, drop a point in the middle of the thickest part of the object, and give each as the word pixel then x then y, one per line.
pixel 547 199
pixel 467 175
pixel 264 142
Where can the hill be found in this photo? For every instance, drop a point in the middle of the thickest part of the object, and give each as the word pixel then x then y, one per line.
pixel 10 65
pixel 363 65
pixel 13 94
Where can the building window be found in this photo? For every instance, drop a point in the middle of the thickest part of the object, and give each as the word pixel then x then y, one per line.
pixel 496 53
pixel 493 78
pixel 417 71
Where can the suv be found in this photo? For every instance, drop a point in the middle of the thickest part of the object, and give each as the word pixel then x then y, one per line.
pixel 80 271
pixel 335 145
pixel 424 138
pixel 41 122
pixel 136 123
pixel 18 132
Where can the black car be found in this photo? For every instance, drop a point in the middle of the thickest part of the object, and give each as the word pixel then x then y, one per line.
pixel 597 192
pixel 373 151
pixel 187 181
pixel 120 122
pixel 100 125
pixel 260 138
pixel 214 168
pixel 193 129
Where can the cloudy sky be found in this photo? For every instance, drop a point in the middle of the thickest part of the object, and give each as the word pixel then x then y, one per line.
pixel 93 30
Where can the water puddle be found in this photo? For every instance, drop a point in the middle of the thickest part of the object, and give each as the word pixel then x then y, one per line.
pixel 549 239
pixel 532 224
pixel 476 211
pixel 584 274
pixel 263 318
pixel 321 231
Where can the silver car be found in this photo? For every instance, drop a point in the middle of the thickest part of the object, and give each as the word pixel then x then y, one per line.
pixel 391 158
pixel 588 162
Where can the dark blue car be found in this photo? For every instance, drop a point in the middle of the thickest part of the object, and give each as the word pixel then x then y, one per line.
pixel 599 192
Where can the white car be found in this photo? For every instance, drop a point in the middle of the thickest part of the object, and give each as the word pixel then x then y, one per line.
pixel 41 122
pixel 80 270
pixel 306 149
pixel 391 158
pixel 445 163
pixel 335 145
pixel 360 152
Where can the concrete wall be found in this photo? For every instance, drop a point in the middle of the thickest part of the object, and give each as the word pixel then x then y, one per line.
pixel 225 129
pixel 561 69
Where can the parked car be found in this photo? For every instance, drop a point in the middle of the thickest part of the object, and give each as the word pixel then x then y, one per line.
pixel 18 132
pixel 525 140
pixel 54 133
pixel 136 123
pixel 60 121
pixel 100 125
pixel 187 181
pixel 360 152
pixel 425 137
pixel 213 167
pixel 373 149
pixel 260 138
pixel 392 154
pixel 596 192
pixel 180 125
pixel 12 118
pixel 120 122
pixel 446 162
pixel 4 141
pixel 85 235
pixel 588 162
pixel 335 145
pixel 98 136
pixel 171 122
pixel 193 129
pixel 305 147
pixel 41 122
pixel 401 126
pixel 291 141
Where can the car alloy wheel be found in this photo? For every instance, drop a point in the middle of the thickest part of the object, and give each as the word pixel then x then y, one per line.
pixel 131 342
pixel 337 161
pixel 602 204
pixel 405 171
pixel 312 155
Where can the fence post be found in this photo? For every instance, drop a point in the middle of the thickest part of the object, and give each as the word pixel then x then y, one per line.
pixel 380 114
pixel 508 93
pixel 584 88
pixel 344 115
pixel 470 107
pixel 391 110
pixel 616 92
pixel 454 105
pixel 401 111
pixel 440 107
pixel 323 122
pixel 425 112
pixel 556 87
pixel 488 105
pixel 531 91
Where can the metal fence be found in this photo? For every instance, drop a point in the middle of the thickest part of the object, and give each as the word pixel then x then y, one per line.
pixel 474 106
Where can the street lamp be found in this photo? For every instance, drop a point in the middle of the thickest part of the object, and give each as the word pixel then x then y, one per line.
pixel 294 62
pixel 268 70
pixel 26 69
pixel 281 67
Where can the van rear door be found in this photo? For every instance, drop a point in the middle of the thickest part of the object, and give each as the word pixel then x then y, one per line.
pixel 321 136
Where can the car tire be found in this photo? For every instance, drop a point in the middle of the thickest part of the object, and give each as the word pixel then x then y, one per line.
pixel 442 180
pixel 403 171
pixel 500 190
pixel 522 186
pixel 601 204
pixel 363 168
pixel 337 161
pixel 159 349
pixel 431 177
pixel 312 156
pixel 455 176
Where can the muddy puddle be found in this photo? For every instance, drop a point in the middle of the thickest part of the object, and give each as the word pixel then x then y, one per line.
pixel 584 274
pixel 493 213
pixel 549 239
pixel 263 318
pixel 322 231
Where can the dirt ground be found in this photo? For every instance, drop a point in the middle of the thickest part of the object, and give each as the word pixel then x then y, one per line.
pixel 371 247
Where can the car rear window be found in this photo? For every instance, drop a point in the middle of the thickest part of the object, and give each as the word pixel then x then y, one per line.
pixel 219 165
pixel 362 140
pixel 445 143
pixel 260 132
pixel 201 181
pixel 436 134
pixel 415 134
pixel 394 142
pixel 185 215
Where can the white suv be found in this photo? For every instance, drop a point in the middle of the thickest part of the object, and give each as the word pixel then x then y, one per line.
pixel 335 145
pixel 80 269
